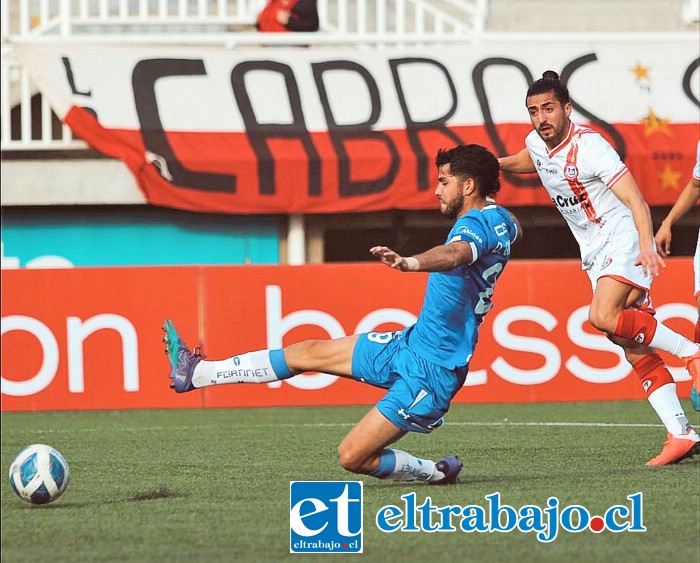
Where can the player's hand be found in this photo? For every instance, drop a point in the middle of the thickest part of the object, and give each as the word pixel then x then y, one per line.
pixel 663 240
pixel 651 262
pixel 389 257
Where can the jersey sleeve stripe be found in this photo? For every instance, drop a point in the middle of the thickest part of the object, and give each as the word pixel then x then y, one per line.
pixel 617 176
pixel 475 252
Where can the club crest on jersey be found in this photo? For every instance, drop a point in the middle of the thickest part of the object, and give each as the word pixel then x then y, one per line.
pixel 571 171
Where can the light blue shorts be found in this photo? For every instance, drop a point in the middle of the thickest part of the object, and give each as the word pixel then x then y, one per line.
pixel 419 391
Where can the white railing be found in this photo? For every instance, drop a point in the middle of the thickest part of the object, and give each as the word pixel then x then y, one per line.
pixel 70 17
pixel 26 118
pixel 27 122
pixel 76 17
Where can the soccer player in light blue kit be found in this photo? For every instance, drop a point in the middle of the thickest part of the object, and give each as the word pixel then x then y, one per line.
pixel 423 366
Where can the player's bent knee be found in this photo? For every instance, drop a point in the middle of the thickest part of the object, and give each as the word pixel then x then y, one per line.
pixel 350 461
pixel 602 322
pixel 594 319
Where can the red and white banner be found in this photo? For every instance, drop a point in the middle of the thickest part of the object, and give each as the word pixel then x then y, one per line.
pixel 267 130
pixel 90 338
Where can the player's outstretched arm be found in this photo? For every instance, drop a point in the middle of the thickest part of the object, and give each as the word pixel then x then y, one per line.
pixel 520 163
pixel 438 259
pixel 685 202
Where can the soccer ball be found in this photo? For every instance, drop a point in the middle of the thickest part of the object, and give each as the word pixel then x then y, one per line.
pixel 39 474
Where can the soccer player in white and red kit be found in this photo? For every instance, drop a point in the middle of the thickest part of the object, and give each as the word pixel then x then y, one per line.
pixel 687 199
pixel 601 202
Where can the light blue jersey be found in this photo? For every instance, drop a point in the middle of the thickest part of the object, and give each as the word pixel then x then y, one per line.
pixel 456 301
pixel 426 364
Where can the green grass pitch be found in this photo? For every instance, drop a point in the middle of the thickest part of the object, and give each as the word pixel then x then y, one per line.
pixel 213 485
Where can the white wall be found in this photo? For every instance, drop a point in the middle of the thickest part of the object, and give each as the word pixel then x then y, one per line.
pixel 589 15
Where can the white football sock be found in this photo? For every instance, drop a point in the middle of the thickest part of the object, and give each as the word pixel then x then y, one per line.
pixel 397 465
pixel 667 406
pixel 672 342
pixel 262 366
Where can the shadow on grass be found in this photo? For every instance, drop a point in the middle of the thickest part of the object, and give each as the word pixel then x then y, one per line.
pixel 152 495
pixel 162 493
pixel 503 480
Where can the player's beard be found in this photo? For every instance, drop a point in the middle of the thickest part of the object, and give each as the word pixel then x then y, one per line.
pixel 555 134
pixel 454 208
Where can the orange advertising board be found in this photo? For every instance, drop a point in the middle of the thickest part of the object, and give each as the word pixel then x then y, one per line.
pixel 90 338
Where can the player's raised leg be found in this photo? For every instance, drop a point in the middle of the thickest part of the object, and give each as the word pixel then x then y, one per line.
pixel 182 361
pixel 364 450
pixel 642 327
pixel 189 370
pixel 611 312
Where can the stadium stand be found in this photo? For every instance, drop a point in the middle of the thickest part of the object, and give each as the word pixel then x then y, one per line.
pixel 44 164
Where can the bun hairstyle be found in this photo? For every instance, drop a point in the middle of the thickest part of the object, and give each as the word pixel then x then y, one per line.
pixel 549 83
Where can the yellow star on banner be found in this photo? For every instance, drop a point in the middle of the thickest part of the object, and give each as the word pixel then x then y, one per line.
pixel 669 178
pixel 652 123
pixel 640 72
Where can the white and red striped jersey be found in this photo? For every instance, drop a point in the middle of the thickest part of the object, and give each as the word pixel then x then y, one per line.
pixel 578 175
pixel 696 258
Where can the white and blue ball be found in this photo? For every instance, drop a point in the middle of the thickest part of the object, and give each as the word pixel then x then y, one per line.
pixel 39 474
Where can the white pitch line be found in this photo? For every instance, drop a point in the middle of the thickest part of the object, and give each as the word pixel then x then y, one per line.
pixel 580 424
pixel 342 424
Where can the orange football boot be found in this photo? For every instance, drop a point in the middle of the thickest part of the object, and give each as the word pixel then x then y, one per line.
pixel 677 448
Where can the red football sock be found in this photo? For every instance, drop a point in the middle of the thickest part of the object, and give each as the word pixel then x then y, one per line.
pixel 636 325
pixel 652 373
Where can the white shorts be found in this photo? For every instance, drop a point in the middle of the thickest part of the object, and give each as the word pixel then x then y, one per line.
pixel 696 267
pixel 616 259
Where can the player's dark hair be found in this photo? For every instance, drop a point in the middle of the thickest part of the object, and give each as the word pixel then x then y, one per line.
pixel 472 161
pixel 549 83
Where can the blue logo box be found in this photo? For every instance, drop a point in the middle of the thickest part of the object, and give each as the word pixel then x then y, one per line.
pixel 325 517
